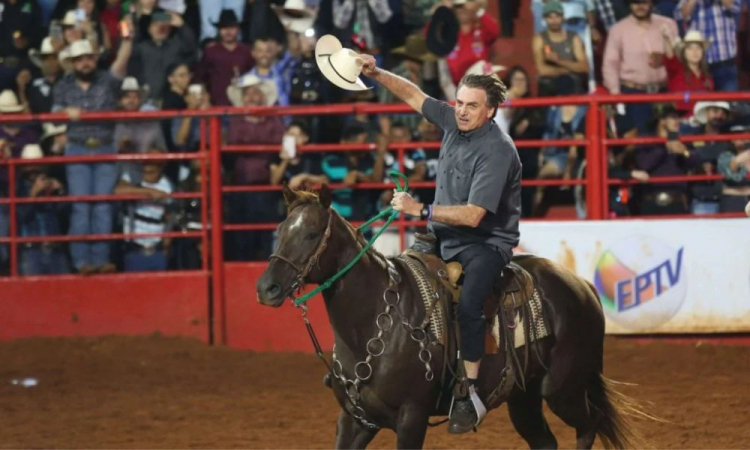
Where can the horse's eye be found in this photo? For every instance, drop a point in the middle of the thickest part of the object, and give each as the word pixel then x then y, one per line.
pixel 311 236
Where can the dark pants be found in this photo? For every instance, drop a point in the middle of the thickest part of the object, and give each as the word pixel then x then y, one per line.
pixel 482 264
pixel 41 260
pixel 145 260
pixel 733 203
pixel 725 75
pixel 252 207
pixel 640 115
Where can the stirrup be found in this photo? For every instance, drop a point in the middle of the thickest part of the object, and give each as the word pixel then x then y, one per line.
pixel 479 407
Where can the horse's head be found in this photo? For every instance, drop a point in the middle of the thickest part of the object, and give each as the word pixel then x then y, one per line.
pixel 302 240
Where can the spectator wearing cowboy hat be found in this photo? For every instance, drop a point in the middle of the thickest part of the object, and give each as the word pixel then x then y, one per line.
pixel 734 165
pixel 253 169
pixel 635 65
pixel 39 93
pixel 559 54
pixel 13 137
pixel 717 22
pixel 413 55
pixel 152 57
pixel 53 141
pixel 687 69
pixel 269 67
pixel 211 11
pixel 136 136
pixel 224 59
pixel 478 32
pixel 88 89
pixel 39 219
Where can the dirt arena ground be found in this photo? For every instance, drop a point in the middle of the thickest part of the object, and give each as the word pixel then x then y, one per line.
pixel 157 392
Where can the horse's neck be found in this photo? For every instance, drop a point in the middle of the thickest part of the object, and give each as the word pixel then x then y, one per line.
pixel 354 301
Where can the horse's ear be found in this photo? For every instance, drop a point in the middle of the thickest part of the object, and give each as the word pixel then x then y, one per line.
pixel 290 195
pixel 325 196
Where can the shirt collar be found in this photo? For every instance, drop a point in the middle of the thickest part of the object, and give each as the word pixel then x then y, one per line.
pixel 477 132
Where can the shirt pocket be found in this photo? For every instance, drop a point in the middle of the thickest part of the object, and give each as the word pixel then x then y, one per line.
pixel 459 179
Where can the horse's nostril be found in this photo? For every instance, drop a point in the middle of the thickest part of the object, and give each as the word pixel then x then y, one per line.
pixel 273 289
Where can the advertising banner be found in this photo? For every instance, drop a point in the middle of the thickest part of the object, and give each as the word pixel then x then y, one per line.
pixel 656 276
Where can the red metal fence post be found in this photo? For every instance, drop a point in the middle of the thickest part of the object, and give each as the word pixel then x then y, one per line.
pixel 593 164
pixel 13 225
pixel 217 308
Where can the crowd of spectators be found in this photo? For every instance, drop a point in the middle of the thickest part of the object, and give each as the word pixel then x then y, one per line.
pixel 77 56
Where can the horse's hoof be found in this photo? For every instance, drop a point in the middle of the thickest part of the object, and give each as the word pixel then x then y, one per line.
pixel 328 381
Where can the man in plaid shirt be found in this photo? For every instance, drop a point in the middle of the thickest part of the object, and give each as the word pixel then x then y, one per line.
pixel 717 20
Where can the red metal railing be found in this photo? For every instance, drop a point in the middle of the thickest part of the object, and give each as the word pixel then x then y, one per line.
pixel 212 188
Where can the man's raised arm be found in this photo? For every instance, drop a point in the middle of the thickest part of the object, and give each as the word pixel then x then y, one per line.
pixel 400 87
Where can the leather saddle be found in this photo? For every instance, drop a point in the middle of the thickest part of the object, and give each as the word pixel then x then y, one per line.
pixel 513 288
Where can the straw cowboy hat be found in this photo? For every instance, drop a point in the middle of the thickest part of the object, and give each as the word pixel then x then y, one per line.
pixel 81 47
pixel 694 37
pixel 69 20
pixel 339 65
pixel 294 8
pixel 44 50
pixel 415 48
pixel 9 102
pixel 484 68
pixel 298 25
pixel 32 151
pixel 699 111
pixel 50 129
pixel 268 87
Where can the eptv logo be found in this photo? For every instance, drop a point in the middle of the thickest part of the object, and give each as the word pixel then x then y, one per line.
pixel 641 281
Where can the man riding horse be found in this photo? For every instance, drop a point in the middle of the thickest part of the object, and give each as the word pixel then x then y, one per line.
pixel 477 205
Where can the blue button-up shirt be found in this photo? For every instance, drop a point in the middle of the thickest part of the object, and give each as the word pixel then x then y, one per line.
pixel 717 23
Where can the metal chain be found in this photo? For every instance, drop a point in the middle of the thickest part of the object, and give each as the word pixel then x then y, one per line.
pixel 376 346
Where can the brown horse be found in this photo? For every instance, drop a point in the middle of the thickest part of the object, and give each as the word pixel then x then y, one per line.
pixel 382 360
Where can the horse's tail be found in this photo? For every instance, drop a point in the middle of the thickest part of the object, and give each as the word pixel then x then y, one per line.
pixel 614 411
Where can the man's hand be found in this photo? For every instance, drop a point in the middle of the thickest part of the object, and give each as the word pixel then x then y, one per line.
pixel 42 183
pixel 369 66
pixel 74 113
pixel 156 194
pixel 298 181
pixel 552 57
pixel 404 202
pixel 676 147
pixel 351 178
pixel 176 20
pixel 23 79
pixel 4 149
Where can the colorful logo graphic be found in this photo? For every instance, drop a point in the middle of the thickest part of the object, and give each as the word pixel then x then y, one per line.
pixel 641 282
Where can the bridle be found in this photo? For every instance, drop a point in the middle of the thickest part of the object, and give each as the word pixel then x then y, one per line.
pixel 303 272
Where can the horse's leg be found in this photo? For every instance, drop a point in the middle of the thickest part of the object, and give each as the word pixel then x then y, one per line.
pixel 351 434
pixel 572 409
pixel 411 427
pixel 526 413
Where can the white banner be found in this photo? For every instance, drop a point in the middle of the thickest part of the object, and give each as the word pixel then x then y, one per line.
pixel 662 276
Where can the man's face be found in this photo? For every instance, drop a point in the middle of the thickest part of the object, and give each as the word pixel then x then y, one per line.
pixel 50 65
pixel 228 35
pixel 358 139
pixel 641 10
pixel 471 108
pixel 400 134
pixel 299 135
pixel 263 53
pixel 131 101
pixel 84 65
pixel 464 14
pixel 554 21
pixel 152 171
pixel 716 117
pixel 159 31
pixel 180 78
pixel 252 96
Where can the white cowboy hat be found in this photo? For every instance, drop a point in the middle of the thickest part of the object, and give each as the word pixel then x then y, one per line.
pixel 268 87
pixel 298 25
pixel 130 84
pixel 64 54
pixel 70 19
pixel 484 68
pixel 81 47
pixel 50 129
pixel 339 65
pixel 45 49
pixel 32 151
pixel 699 111
pixel 294 8
pixel 694 36
pixel 9 102
pixel 747 209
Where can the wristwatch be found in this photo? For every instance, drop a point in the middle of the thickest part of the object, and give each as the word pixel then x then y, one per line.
pixel 425 212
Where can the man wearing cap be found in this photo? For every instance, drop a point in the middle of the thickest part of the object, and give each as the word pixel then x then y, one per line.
pixel 39 93
pixel 633 59
pixel 224 59
pixel 152 57
pixel 558 54
pixel 136 136
pixel 86 90
pixel 477 202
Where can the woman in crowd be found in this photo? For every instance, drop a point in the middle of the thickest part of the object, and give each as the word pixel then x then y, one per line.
pixel 687 68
